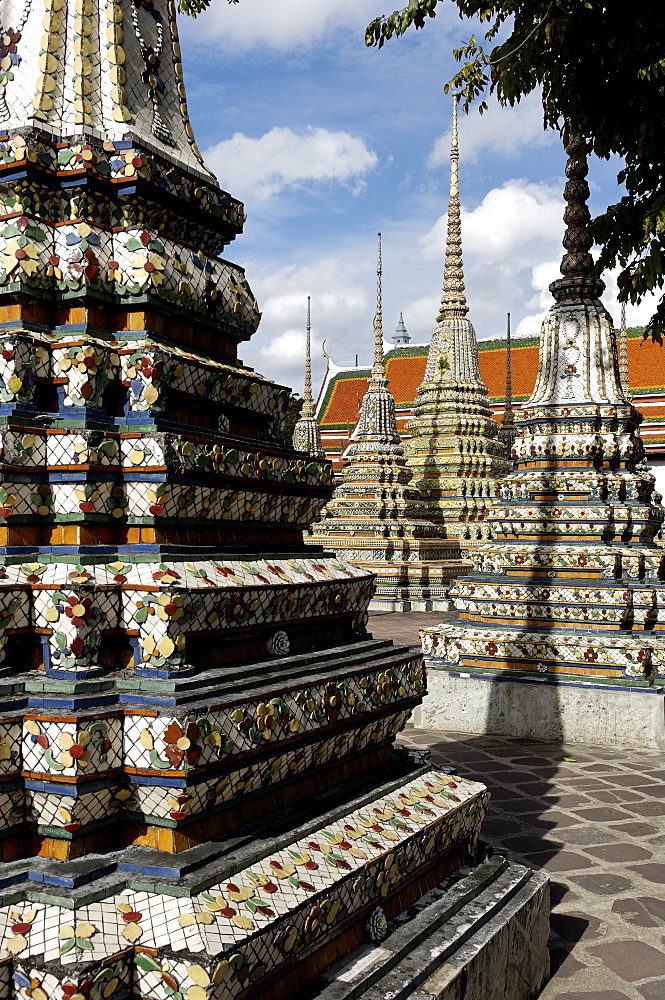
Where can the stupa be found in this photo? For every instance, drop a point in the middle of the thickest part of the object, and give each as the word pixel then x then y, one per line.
pixel 560 628
pixel 375 518
pixel 306 433
pixel 455 453
pixel 508 427
pixel 199 794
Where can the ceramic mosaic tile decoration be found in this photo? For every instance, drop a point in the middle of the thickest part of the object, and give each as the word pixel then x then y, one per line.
pixel 376 518
pixel 572 582
pixel 455 453
pixel 198 790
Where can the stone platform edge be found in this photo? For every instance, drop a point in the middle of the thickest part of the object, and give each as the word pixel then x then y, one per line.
pixel 485 937
pixel 626 712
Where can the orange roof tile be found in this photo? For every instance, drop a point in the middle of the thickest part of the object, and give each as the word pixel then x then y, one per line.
pixel 405 368
pixel 524 364
pixel 344 401
pixel 405 375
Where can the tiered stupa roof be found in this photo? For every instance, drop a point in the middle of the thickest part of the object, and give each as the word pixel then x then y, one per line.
pixel 454 452
pixel 194 723
pixel 375 518
pixel 306 434
pixel 572 581
pixel 400 335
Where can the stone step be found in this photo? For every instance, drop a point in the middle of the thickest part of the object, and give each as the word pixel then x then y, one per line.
pixel 486 936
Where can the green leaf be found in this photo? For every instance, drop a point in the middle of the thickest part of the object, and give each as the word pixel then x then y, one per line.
pixel 155 759
pixel 146 962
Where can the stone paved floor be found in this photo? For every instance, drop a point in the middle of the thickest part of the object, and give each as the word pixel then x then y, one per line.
pixel 594 818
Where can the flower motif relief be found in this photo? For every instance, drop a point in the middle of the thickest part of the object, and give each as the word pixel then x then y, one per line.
pixel 278 644
pixel 377 925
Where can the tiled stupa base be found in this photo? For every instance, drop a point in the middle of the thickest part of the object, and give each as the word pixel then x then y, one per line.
pixel 576 709
pixel 277 903
pixel 413 587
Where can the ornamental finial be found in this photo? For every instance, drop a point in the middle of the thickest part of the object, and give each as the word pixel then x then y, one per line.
pixel 308 403
pixel 453 300
pixel 577 264
pixel 378 367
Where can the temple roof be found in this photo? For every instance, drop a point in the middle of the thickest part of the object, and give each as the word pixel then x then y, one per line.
pixel 343 390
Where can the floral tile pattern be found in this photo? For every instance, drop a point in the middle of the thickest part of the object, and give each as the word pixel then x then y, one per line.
pixel 177 667
pixel 244 928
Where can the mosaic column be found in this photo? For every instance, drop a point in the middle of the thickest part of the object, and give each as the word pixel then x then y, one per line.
pixel 196 729
pixel 455 454
pixel 571 586
pixel 306 434
pixel 376 518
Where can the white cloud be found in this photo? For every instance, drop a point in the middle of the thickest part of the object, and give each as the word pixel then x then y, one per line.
pixel 260 168
pixel 341 288
pixel 282 24
pixel 499 131
pixel 544 273
pixel 512 251
pixel 509 240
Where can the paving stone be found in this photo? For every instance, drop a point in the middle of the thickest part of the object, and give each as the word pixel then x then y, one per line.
pixel 652 991
pixel 563 964
pixel 604 814
pixel 636 829
pixel 529 845
pixel 652 872
pixel 501 827
pixel 552 771
pixel 563 861
pixel 528 787
pixel 599 767
pixel 583 835
pixel 566 801
pixel 643 911
pixel 499 794
pixel 603 995
pixel 617 795
pixel 576 925
pixel 631 780
pixel 587 784
pixel 559 892
pixel 619 852
pixel 597 813
pixel 528 761
pixel 649 808
pixel 631 960
pixel 658 791
pixel 519 806
pixel 603 883
pixel 553 819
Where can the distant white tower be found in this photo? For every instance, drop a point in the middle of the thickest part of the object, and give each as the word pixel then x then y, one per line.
pixel 401 337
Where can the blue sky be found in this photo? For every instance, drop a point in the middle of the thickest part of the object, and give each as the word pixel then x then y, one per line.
pixel 328 142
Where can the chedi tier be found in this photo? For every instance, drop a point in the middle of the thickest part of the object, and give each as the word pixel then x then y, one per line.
pixel 376 518
pixel 569 591
pixel 455 453
pixel 198 791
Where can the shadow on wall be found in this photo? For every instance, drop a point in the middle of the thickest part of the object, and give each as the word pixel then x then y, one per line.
pixel 525 707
